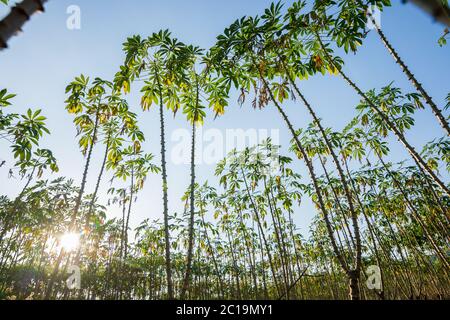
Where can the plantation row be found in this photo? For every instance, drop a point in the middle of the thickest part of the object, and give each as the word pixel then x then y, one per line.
pixel 380 229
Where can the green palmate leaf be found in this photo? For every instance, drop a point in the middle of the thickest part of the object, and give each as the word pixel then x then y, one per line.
pixel 5 97
pixel 443 39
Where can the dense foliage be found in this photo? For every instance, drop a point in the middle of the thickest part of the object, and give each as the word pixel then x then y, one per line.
pixel 236 239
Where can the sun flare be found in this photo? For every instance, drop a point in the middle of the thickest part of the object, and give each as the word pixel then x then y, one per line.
pixel 70 241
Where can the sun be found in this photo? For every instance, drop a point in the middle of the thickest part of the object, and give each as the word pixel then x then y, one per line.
pixel 70 241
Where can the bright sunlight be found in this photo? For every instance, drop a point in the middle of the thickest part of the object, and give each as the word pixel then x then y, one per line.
pixel 70 241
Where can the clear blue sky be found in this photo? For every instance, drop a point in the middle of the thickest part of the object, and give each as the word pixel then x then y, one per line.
pixel 47 56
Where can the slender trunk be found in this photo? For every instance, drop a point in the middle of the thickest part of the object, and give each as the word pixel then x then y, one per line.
pixel 369 226
pixel 122 227
pixel 86 168
pixel 192 200
pixel 278 238
pixel 416 217
pixel 416 157
pixel 250 251
pixel 216 266
pixel 165 195
pixel 260 226
pixel 16 19
pixel 311 172
pixel 129 213
pixel 191 218
pixel 437 112
pixel 92 203
pixel 235 265
pixel 97 185
pixel 354 214
pixel 263 269
pixel 77 207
